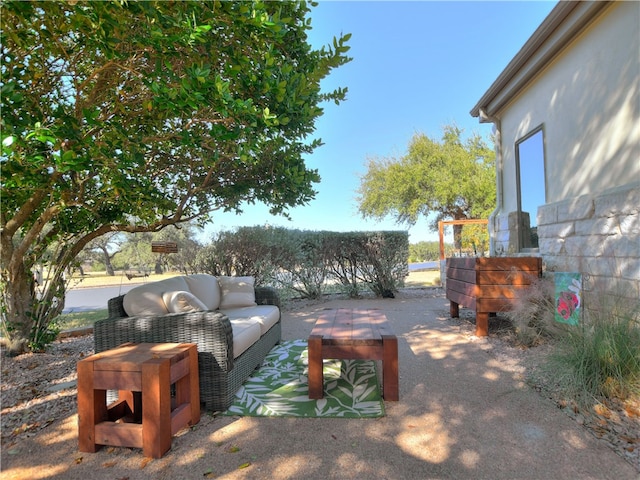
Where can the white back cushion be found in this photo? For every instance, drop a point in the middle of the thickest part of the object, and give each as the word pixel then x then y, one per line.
pixel 237 292
pixel 147 299
pixel 206 288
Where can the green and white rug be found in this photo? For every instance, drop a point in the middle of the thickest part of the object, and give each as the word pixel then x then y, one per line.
pixel 279 387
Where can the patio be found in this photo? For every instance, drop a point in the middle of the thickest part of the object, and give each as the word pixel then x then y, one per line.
pixel 464 412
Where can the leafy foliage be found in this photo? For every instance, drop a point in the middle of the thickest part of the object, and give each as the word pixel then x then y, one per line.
pixel 305 261
pixel 424 251
pixel 131 116
pixel 135 255
pixel 451 179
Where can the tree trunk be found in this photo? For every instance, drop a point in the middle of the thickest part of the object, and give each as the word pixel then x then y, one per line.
pixel 18 319
pixel 107 261
pixel 457 236
pixel 28 307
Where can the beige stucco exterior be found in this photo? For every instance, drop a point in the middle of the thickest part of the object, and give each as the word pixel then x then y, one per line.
pixel 578 78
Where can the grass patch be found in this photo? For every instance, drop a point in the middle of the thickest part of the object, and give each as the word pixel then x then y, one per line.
pixel 70 321
pixel 597 359
pixel 423 278
pixel 92 280
pixel 601 357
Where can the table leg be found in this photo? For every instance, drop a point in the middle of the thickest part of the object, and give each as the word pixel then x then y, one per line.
pixel 390 381
pixel 482 324
pixel 194 385
pixel 188 387
pixel 316 379
pixel 92 407
pixel 454 309
pixel 156 407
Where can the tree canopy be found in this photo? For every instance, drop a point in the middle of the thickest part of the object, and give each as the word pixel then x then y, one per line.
pixel 131 116
pixel 452 179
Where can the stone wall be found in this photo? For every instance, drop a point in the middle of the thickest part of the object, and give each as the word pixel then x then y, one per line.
pixel 504 235
pixel 598 236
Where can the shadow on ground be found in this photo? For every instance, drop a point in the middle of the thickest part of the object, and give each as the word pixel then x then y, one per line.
pixel 462 414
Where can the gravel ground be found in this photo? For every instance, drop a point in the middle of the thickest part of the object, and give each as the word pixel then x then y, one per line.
pixel 38 388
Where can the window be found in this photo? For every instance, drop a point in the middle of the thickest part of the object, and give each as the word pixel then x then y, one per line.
pixel 531 187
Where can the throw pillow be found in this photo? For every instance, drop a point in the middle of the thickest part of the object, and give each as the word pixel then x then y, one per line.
pixel 237 292
pixel 183 302
pixel 206 288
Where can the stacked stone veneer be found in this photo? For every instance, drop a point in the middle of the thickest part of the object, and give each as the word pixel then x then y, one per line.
pixel 598 236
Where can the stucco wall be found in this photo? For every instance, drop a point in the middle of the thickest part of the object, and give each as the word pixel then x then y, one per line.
pixel 588 102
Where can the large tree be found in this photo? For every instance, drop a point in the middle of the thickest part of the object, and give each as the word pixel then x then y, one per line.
pixel 449 179
pixel 103 249
pixel 131 116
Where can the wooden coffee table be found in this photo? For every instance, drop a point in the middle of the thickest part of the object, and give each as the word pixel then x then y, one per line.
pixel 353 334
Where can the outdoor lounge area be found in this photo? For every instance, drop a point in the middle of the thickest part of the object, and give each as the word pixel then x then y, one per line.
pixel 464 411
pixel 202 128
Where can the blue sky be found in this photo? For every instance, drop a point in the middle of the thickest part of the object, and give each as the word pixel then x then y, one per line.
pixel 417 66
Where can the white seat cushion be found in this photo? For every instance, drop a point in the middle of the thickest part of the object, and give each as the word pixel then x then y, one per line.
pixel 264 315
pixel 245 333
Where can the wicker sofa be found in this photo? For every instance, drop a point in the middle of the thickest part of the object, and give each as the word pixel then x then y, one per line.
pixel 229 349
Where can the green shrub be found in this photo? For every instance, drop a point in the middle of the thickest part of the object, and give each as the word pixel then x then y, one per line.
pixel 601 357
pixel 301 262
pixel 374 260
pixel 533 315
pixel 307 263
pixel 385 265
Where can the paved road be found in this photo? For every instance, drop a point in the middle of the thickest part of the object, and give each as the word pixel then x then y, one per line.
pixel 424 266
pixel 84 299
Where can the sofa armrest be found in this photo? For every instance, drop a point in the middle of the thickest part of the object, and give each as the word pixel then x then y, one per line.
pixel 210 330
pixel 267 296
pixel 115 307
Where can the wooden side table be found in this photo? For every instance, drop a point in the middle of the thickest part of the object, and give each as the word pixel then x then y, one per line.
pixel 143 416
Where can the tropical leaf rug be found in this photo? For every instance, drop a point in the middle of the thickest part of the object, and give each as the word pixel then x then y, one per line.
pixel 279 387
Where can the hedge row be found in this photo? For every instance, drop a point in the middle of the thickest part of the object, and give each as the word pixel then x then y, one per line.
pixel 308 262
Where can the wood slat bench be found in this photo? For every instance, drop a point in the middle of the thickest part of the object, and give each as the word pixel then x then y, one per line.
pixel 488 285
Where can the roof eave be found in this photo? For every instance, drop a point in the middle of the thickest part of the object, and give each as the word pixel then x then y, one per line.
pixel 563 24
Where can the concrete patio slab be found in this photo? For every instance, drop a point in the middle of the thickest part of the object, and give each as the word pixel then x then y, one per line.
pixel 462 414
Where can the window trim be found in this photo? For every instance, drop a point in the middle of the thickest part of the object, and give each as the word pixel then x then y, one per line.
pixel 520 232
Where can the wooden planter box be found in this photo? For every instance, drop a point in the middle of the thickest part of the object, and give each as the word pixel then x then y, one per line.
pixel 488 285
